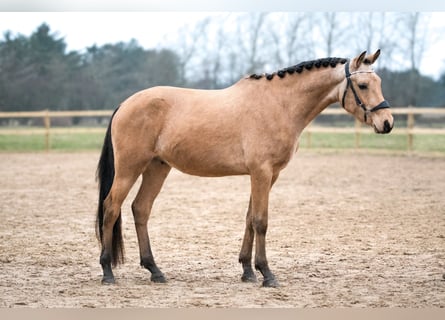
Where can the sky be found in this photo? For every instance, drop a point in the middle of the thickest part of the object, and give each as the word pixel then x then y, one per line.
pixel 220 5
pixel 151 29
pixel 82 29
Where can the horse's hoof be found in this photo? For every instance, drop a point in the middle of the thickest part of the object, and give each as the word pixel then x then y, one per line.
pixel 270 283
pixel 158 278
pixel 108 280
pixel 249 278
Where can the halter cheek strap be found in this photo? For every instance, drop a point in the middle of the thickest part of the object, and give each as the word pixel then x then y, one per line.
pixel 382 105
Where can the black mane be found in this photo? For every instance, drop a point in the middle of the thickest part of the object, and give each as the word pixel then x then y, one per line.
pixel 308 65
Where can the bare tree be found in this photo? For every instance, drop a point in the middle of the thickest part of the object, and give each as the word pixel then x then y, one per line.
pixel 386 41
pixel 415 29
pixel 294 41
pixel 214 60
pixel 212 55
pixel 332 29
pixel 250 40
pixel 188 43
pixel 375 30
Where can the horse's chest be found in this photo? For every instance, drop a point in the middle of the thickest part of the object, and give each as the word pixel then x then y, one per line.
pixel 283 151
pixel 275 149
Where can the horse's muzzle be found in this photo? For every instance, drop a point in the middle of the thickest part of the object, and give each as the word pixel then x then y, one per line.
pixel 387 127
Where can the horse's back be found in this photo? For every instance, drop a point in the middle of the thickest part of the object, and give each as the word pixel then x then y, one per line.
pixel 195 131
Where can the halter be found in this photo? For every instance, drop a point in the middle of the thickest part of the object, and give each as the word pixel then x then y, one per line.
pixel 382 105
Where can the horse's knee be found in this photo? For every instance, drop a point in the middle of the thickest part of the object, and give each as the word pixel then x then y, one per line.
pixel 136 208
pixel 260 225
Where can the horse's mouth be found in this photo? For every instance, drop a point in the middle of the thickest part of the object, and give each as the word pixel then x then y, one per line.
pixel 375 129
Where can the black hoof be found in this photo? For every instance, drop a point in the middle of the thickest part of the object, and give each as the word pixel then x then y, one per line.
pixel 249 278
pixel 270 283
pixel 108 280
pixel 158 278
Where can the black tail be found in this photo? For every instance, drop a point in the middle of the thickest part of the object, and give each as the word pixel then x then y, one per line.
pixel 105 177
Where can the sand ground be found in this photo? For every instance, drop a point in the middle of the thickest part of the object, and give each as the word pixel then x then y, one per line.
pixel 347 229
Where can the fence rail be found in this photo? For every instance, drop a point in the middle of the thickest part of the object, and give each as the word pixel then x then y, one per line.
pixel 410 130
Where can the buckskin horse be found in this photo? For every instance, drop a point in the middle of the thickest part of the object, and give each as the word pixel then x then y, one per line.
pixel 250 128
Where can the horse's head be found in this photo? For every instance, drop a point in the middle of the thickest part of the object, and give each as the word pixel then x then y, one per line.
pixel 362 93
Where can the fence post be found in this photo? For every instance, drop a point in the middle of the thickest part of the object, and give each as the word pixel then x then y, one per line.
pixel 47 122
pixel 410 125
pixel 357 128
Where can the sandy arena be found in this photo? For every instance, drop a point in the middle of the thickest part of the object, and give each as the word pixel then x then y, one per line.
pixel 346 229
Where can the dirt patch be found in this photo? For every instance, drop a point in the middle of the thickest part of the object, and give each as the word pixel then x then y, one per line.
pixel 345 229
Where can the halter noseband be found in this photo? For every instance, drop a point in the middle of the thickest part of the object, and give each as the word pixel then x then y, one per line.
pixel 382 105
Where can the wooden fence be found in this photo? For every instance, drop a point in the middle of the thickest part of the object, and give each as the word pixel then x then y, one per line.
pixel 410 130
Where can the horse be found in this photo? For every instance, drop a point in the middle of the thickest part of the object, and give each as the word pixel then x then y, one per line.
pixel 250 128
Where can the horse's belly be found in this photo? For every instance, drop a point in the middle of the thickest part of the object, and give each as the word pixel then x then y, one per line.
pixel 204 160
pixel 205 168
pixel 210 171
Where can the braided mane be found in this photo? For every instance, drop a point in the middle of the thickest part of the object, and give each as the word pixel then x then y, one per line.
pixel 308 65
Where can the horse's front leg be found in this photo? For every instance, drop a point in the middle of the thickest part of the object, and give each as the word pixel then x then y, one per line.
pixel 245 256
pixel 262 181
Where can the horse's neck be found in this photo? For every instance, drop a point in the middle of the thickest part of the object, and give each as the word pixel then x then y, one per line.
pixel 312 91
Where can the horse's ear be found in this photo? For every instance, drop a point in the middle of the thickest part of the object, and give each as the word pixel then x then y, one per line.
pixel 375 56
pixel 359 59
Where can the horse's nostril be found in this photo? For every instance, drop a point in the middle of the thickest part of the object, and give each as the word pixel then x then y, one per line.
pixel 386 127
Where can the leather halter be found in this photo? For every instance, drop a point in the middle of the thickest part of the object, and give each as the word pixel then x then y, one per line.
pixel 382 105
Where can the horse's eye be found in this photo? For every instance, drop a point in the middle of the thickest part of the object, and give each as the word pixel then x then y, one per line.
pixel 363 86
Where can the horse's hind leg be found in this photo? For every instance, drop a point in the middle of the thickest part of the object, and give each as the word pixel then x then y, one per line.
pixel 152 181
pixel 112 211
